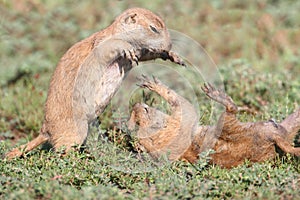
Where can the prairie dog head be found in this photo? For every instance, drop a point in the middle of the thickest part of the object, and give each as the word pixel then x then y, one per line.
pixel 143 29
pixel 146 117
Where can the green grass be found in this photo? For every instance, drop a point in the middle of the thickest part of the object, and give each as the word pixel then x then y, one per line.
pixel 255 45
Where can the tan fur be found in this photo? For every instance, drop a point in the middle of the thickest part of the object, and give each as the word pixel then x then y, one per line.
pixel 91 71
pixel 233 141
pixel 160 133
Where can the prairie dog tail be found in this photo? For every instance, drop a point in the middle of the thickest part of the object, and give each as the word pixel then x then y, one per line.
pixel 17 152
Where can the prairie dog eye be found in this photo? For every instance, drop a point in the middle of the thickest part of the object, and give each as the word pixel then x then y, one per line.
pixel 146 109
pixel 153 29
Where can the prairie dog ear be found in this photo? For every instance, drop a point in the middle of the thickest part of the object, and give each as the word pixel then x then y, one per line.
pixel 131 18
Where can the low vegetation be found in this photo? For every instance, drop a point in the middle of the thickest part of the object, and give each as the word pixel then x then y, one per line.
pixel 255 45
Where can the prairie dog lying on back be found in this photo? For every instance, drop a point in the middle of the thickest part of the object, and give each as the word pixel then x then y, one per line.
pixel 232 140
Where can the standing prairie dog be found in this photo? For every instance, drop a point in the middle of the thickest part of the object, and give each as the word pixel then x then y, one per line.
pixel 90 73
